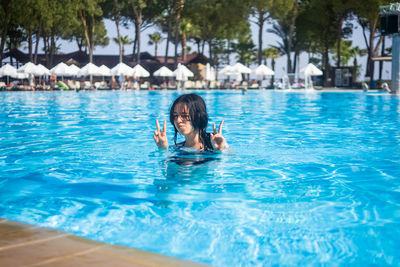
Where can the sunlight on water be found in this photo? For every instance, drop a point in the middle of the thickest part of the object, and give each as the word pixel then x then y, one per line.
pixel 310 178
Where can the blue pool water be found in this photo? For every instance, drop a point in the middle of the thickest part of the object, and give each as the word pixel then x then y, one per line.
pixel 311 178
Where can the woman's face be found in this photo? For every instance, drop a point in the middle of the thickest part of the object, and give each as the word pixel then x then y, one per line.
pixel 182 119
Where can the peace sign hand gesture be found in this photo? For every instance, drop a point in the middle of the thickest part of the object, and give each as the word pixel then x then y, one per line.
pixel 217 140
pixel 160 137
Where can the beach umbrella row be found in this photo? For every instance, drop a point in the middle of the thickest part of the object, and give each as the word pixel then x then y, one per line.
pixel 263 70
pixel 239 69
pixel 90 69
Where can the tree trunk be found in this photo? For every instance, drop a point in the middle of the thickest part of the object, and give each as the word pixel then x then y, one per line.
pixel 116 19
pixel 290 37
pixel 381 62
pixel 52 47
pixel 91 39
pixel 296 57
pixel 198 46
pixel 371 51
pixel 134 43
pixel 178 23
pixel 85 30
pixel 228 44
pixel 139 23
pixel 45 47
pixel 30 45
pixel 184 47
pixel 168 38
pixel 37 41
pixel 176 42
pixel 210 50
pixel 325 60
pixel 260 24
pixel 273 68
pixel 5 30
pixel 339 38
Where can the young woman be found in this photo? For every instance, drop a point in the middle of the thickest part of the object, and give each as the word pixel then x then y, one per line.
pixel 189 117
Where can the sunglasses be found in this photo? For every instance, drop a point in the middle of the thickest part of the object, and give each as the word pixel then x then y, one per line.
pixel 184 116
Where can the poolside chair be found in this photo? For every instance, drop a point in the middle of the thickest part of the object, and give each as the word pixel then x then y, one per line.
pixel 87 85
pixel 144 86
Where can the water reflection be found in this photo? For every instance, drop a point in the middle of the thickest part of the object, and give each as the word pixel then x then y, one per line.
pixel 184 165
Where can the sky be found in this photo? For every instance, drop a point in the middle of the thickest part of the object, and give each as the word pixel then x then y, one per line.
pixel 268 39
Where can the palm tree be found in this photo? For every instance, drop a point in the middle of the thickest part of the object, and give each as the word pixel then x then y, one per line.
pixel 356 51
pixel 271 52
pixel 178 12
pixel 185 29
pixel 282 30
pixel 124 41
pixel 155 39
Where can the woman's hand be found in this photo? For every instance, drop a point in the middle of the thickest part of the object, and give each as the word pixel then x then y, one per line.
pixel 161 137
pixel 217 140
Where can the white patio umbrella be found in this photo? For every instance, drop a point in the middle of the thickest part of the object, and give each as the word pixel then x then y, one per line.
pixel 182 73
pixel 28 68
pixel 90 69
pixel 106 71
pixel 121 69
pixel 8 70
pixel 21 75
pixel 74 70
pixel 228 71
pixel 61 69
pixel 311 70
pixel 263 70
pixel 42 70
pixel 164 72
pixel 210 73
pixel 139 71
pixel 239 67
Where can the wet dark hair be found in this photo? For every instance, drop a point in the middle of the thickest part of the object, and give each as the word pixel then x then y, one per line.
pixel 198 116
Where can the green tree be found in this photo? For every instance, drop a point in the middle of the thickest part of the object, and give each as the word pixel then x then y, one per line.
pixel 346 52
pixel 273 53
pixel 316 33
pixel 178 12
pixel 342 10
pixel 285 14
pixel 355 52
pixel 368 15
pixel 123 40
pixel 245 49
pixel 112 9
pixel 186 30
pixel 143 14
pixel 259 9
pixel 155 39
pixel 219 22
pixel 89 13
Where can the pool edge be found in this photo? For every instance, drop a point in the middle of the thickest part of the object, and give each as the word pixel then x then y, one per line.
pixel 29 245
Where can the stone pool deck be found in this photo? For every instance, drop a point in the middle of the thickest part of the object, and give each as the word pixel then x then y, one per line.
pixel 28 245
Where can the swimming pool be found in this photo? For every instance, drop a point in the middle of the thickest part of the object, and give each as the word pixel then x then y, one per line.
pixel 312 178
